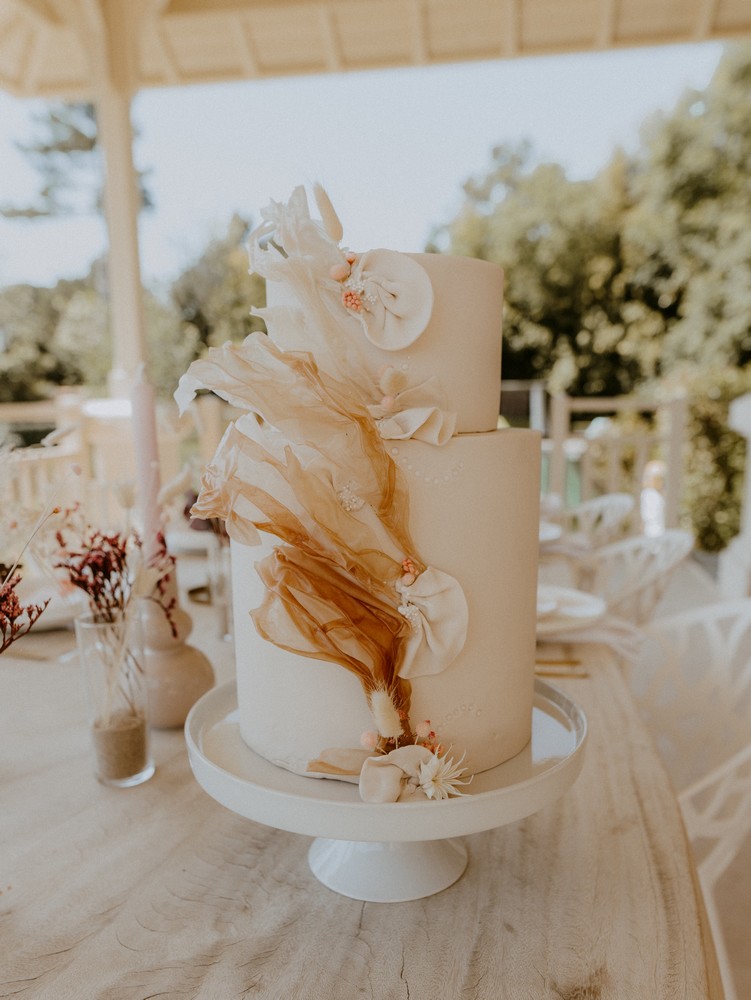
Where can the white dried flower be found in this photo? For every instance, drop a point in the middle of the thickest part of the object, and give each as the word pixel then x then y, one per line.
pixel 440 776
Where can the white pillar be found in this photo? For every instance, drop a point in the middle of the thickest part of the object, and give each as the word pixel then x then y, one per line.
pixel 110 29
pixel 122 205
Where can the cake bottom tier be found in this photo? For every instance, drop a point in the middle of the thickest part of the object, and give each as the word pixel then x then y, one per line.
pixel 474 514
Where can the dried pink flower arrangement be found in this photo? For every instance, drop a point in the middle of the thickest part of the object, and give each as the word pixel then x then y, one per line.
pixel 16 619
pixel 110 570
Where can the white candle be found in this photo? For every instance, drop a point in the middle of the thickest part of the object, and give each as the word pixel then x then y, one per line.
pixel 143 405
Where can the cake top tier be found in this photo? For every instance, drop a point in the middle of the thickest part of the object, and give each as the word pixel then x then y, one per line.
pixel 419 334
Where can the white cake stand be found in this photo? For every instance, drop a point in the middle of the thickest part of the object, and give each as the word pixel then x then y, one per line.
pixel 384 852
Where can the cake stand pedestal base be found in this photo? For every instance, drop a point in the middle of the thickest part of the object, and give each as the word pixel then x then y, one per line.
pixel 386 852
pixel 390 872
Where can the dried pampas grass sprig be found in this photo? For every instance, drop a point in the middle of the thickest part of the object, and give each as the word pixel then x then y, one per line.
pixel 387 720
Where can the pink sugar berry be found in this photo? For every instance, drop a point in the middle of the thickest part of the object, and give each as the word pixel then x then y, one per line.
pixel 369 739
pixel 339 272
pixel 352 301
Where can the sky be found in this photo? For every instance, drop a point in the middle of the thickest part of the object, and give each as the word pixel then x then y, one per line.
pixel 391 147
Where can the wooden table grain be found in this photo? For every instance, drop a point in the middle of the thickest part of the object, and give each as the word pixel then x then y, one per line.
pixel 158 891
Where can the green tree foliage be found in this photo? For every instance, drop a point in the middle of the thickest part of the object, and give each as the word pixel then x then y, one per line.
pixel 688 234
pixel 714 470
pixel 643 272
pixel 616 279
pixel 29 365
pixel 61 335
pixel 65 154
pixel 81 340
pixel 559 244
pixel 215 294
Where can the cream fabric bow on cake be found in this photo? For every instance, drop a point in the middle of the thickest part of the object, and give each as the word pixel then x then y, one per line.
pixel 396 295
pixel 437 610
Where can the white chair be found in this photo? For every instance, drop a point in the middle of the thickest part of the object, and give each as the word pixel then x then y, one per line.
pixel 600 520
pixel 610 456
pixel 35 476
pixel 590 525
pixel 109 457
pixel 551 508
pixel 692 683
pixel 632 575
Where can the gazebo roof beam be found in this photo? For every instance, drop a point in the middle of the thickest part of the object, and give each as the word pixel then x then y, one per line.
pixel 512 20
pixel 706 11
pixel 334 61
pixel 606 26
pixel 417 17
pixel 154 8
pixel 13 27
pixel 170 65
pixel 183 42
pixel 87 18
pixel 33 62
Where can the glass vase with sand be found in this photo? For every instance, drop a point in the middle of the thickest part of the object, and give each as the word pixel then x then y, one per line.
pixel 111 655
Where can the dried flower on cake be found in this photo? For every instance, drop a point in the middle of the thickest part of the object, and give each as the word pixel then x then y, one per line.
pixel 411 771
pixel 440 778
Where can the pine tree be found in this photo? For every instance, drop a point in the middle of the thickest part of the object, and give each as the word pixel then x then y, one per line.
pixel 66 156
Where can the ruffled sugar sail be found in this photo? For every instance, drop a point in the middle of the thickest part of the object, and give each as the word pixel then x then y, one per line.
pixel 319 418
pixel 287 482
pixel 307 463
pixel 291 249
pixel 314 604
pixel 254 490
pixel 391 301
pixel 314 609
pixel 331 221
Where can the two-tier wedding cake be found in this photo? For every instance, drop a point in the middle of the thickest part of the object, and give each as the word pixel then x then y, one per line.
pixel 384 530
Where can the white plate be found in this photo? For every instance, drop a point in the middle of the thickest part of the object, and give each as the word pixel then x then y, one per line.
pixel 546 605
pixel 572 609
pixel 549 532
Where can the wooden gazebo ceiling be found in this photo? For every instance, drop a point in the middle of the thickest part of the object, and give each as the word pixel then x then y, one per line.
pixel 47 46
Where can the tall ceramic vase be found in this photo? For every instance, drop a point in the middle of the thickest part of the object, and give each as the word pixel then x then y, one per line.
pixel 177 674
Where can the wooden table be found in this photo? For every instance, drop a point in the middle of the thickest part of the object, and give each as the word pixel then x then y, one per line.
pixel 158 891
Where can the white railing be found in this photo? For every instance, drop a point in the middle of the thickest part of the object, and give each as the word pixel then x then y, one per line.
pixel 96 436
pixel 615 460
pixel 535 391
